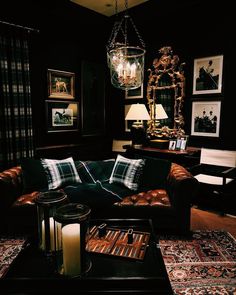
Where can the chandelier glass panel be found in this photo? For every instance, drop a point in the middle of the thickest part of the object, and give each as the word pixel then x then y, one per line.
pixel 126 62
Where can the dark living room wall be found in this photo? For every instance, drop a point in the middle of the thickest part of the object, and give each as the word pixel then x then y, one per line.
pixel 71 38
pixel 194 29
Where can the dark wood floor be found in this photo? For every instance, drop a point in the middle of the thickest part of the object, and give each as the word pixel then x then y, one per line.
pixel 209 220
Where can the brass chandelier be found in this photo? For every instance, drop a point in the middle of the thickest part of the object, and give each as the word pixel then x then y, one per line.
pixel 126 62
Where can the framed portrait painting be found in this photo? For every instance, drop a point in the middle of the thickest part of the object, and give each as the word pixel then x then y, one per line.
pixel 207 75
pixel 61 84
pixel 61 116
pixel 205 118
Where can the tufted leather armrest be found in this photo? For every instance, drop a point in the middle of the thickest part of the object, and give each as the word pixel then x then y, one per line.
pixel 179 190
pixel 10 186
pixel 181 185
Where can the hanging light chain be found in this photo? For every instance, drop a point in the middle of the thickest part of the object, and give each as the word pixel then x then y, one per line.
pixel 134 26
pixel 137 32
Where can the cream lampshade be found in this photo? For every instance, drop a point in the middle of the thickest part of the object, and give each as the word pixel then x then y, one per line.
pixel 160 112
pixel 137 112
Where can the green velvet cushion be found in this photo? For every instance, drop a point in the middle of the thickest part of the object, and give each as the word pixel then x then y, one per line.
pixel 154 174
pixel 33 175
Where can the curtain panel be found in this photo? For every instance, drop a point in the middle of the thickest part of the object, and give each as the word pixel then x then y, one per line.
pixel 16 130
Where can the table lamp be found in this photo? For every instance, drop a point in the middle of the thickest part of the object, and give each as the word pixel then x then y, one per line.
pixel 138 113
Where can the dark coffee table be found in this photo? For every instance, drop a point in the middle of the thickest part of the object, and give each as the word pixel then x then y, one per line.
pixel 32 273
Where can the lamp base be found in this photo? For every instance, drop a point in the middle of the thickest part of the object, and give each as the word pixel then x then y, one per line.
pixel 138 135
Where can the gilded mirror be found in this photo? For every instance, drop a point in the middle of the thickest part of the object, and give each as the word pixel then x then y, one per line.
pixel 166 89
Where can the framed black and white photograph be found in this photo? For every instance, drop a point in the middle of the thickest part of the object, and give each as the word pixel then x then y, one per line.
pixel 61 116
pixel 134 93
pixel 205 118
pixel 172 144
pixel 207 75
pixel 61 84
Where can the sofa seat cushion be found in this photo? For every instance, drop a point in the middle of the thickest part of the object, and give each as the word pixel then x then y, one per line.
pixel 158 197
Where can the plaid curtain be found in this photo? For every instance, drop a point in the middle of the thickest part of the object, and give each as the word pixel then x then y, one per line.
pixel 16 130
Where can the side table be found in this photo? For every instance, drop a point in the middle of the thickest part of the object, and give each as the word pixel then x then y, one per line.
pixel 187 158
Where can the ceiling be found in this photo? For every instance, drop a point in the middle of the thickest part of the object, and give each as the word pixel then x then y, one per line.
pixel 107 7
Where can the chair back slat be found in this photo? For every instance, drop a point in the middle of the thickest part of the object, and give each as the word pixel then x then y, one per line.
pixel 218 157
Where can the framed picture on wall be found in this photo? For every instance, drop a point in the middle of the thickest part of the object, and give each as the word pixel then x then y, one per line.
pixel 61 84
pixel 207 75
pixel 61 116
pixel 134 93
pixel 205 118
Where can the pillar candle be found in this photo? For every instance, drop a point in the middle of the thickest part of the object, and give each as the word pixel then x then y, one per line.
pixel 71 249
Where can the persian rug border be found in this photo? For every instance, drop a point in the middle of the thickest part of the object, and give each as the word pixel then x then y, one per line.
pixel 10 247
pixel 204 263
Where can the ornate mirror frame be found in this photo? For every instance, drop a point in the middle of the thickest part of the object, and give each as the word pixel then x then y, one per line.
pixel 166 86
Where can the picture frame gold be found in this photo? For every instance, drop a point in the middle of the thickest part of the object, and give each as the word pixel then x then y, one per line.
pixel 61 84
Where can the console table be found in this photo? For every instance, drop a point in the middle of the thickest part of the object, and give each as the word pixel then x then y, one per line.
pixel 187 158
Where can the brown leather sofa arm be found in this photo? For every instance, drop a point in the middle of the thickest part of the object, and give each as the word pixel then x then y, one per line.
pixel 10 186
pixel 181 185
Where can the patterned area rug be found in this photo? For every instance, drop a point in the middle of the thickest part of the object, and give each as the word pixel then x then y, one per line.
pixel 9 250
pixel 203 264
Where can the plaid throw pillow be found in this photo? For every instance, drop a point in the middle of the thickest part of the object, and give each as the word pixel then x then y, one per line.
pixel 60 172
pixel 127 172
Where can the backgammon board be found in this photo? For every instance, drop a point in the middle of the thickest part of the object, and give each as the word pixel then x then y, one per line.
pixel 126 243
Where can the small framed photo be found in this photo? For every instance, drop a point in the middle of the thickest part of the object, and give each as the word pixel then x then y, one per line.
pixel 205 118
pixel 207 75
pixel 61 116
pixel 183 142
pixel 134 93
pixel 172 144
pixel 61 84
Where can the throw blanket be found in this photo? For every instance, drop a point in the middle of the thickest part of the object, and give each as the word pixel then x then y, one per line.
pixel 203 264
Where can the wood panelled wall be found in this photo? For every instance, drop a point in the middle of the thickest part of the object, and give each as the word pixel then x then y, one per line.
pixel 73 38
pixel 193 29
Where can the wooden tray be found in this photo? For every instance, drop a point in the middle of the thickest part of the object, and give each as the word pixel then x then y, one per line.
pixel 115 242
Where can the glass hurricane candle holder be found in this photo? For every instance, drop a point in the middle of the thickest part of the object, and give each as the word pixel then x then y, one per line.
pixel 47 202
pixel 72 222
